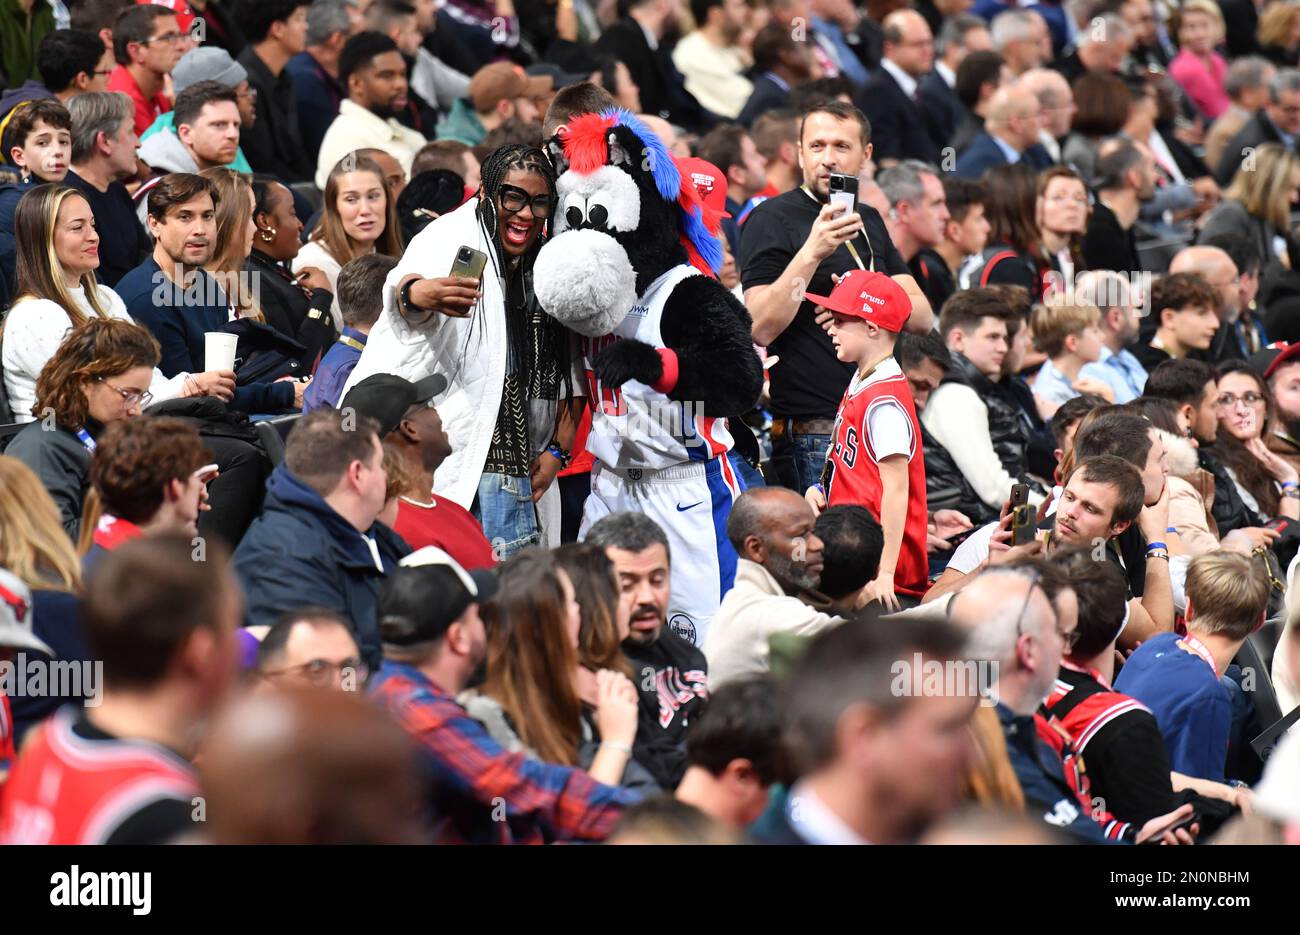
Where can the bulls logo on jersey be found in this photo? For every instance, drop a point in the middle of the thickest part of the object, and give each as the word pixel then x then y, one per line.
pixel 17 604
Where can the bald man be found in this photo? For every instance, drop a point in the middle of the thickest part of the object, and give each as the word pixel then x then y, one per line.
pixel 1010 134
pixel 891 99
pixel 778 571
pixel 309 766
pixel 1057 100
pixel 671 136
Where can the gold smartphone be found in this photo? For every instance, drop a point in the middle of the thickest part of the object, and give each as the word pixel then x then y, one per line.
pixel 469 263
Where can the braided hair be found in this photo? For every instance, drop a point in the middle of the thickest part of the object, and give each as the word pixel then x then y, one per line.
pixel 542 348
pixel 500 163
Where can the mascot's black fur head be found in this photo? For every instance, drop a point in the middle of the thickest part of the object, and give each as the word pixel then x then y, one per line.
pixel 625 216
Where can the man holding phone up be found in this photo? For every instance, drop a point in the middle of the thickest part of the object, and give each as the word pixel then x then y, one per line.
pixel 794 243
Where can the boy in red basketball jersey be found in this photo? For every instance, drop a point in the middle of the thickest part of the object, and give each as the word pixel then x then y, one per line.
pixel 117 771
pixel 875 458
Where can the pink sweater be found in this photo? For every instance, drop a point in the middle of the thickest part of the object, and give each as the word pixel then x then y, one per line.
pixel 1203 85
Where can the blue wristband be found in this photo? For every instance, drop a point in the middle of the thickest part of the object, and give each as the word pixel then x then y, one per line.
pixel 1290 485
pixel 558 453
pixel 1173 529
pixel 1153 546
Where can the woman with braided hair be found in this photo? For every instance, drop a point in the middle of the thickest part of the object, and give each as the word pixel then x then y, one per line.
pixel 509 408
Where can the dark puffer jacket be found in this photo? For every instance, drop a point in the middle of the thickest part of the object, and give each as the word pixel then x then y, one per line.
pixel 1009 430
pixel 301 552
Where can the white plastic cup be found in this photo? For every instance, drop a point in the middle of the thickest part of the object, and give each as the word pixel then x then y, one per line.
pixel 219 350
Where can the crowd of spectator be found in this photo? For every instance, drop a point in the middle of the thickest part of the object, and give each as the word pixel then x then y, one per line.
pixel 305 494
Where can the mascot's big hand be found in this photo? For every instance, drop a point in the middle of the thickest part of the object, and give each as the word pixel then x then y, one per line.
pixel 628 360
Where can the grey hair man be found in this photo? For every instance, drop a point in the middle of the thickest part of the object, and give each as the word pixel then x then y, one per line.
pixel 1022 39
pixel 104 145
pixel 918 208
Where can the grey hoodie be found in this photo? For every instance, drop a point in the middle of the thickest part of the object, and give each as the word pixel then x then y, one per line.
pixel 162 152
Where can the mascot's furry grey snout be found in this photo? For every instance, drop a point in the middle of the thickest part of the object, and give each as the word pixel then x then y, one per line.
pixel 587 281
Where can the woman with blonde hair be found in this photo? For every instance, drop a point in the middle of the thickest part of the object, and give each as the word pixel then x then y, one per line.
pixel 358 217
pixel 36 549
pixel 1279 34
pixel 1256 207
pixel 1199 70
pixel 58 253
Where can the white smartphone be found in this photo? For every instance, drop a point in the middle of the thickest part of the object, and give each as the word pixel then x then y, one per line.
pixel 844 191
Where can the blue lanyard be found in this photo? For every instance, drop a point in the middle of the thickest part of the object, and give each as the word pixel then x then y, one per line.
pixel 86 439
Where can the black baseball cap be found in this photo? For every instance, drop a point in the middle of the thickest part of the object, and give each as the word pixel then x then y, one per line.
pixel 386 398
pixel 426 594
pixel 1266 360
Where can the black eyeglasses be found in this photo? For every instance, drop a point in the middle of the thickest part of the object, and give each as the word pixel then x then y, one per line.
pixel 514 199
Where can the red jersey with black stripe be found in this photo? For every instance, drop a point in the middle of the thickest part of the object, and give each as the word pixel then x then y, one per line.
pixel 1076 710
pixel 854 474
pixel 1085 708
pixel 67 789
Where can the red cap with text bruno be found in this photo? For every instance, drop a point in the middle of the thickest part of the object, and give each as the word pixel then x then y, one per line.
pixel 873 297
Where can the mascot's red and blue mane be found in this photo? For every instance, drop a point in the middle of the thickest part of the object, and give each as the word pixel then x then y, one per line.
pixel 586 147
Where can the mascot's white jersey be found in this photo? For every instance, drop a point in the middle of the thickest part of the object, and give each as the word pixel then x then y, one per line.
pixel 634 426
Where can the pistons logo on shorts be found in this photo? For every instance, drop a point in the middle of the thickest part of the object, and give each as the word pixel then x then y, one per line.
pixel 683 626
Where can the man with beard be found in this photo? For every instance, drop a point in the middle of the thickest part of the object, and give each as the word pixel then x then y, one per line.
pixel 172 295
pixel 795 243
pixel 1125 511
pixel 206 121
pixel 1126 177
pixel 670 673
pixel 778 570
pixel 373 71
pixel 1278 364
pixel 434 647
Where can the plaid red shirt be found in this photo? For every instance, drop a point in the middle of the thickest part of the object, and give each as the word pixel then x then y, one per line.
pixel 481 793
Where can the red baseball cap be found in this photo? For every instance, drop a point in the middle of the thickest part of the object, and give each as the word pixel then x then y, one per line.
pixel 709 182
pixel 1267 360
pixel 873 297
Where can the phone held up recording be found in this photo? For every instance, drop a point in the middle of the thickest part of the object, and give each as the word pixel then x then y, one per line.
pixel 844 191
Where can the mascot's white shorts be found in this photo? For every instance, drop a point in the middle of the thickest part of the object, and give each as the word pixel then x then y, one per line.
pixel 691 503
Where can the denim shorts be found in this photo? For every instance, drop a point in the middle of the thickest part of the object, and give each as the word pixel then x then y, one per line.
pixel 504 507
